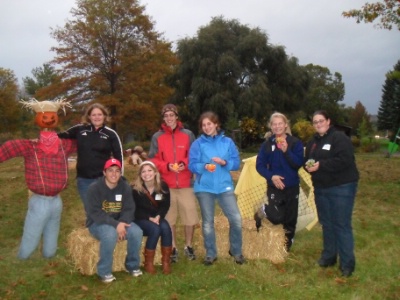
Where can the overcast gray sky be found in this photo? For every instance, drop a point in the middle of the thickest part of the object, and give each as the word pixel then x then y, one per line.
pixel 311 30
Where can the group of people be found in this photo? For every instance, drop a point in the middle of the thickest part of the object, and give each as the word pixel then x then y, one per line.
pixel 160 194
pixel 329 158
pixel 164 189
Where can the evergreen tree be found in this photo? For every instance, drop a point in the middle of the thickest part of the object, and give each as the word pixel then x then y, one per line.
pixel 389 109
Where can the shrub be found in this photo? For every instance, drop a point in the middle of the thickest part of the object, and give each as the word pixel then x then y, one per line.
pixel 370 146
pixel 303 130
pixel 355 141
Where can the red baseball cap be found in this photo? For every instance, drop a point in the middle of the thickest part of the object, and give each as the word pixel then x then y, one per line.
pixel 112 162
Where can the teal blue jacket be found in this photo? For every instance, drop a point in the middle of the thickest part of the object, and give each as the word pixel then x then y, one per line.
pixel 201 151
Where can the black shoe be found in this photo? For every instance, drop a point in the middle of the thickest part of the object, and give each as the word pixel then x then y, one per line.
pixel 347 273
pixel 208 261
pixel 326 263
pixel 174 255
pixel 239 259
pixel 258 221
pixel 288 244
pixel 189 252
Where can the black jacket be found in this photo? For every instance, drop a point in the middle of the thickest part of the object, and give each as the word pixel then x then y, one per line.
pixel 144 207
pixel 95 147
pixel 335 154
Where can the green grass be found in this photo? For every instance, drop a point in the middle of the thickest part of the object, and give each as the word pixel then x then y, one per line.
pixel 376 225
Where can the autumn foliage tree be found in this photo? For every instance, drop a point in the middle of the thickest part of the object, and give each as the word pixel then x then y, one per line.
pixel 110 53
pixel 360 120
pixel 10 116
pixel 388 11
pixel 303 130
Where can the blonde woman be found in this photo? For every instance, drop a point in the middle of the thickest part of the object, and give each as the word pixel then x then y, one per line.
pixel 278 161
pixel 152 199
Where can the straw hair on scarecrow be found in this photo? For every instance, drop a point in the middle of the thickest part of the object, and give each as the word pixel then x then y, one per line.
pixel 46 105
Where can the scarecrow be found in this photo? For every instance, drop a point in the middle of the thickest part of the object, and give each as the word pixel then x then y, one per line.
pixel 46 175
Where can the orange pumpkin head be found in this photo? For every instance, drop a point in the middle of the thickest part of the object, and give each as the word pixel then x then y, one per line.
pixel 47 119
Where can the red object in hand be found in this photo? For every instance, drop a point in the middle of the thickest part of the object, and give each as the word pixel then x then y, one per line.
pixel 279 141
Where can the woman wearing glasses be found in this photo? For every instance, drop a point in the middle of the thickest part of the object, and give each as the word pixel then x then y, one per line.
pixel 331 163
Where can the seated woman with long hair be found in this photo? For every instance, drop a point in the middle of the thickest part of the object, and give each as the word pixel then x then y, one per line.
pixel 152 199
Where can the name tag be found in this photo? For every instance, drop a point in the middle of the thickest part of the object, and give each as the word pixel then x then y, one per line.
pixel 159 196
pixel 118 197
pixel 326 147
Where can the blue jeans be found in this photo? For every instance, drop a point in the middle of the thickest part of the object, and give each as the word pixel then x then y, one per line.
pixel 228 203
pixel 335 209
pixel 108 237
pixel 154 232
pixel 43 218
pixel 83 186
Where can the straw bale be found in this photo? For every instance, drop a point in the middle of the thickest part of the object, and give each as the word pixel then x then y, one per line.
pixel 268 243
pixel 83 250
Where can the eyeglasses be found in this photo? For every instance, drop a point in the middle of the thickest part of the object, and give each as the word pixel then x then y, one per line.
pixel 171 115
pixel 318 122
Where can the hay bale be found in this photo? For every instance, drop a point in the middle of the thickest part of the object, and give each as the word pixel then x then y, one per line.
pixel 268 243
pixel 83 250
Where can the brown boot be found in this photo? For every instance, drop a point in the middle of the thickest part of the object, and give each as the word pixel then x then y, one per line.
pixel 166 259
pixel 149 261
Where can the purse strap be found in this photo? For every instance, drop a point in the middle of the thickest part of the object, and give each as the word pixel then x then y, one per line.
pixel 154 202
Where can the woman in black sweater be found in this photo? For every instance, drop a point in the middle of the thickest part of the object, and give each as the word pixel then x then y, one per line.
pixel 331 163
pixel 152 199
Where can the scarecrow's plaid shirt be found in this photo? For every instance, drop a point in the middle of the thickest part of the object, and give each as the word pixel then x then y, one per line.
pixel 45 174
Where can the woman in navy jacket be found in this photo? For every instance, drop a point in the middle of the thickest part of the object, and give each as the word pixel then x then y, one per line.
pixel 278 161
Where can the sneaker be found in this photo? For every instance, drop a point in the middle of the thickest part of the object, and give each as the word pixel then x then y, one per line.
pixel 326 263
pixel 239 259
pixel 108 278
pixel 174 255
pixel 288 244
pixel 189 252
pixel 208 261
pixel 347 272
pixel 136 273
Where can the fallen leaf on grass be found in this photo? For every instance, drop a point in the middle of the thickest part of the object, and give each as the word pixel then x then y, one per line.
pixel 230 276
pixel 53 264
pixel 50 273
pixel 84 288
pixel 280 268
pixel 9 292
pixel 340 280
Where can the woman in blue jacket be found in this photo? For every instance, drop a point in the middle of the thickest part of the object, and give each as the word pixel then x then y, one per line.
pixel 211 158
